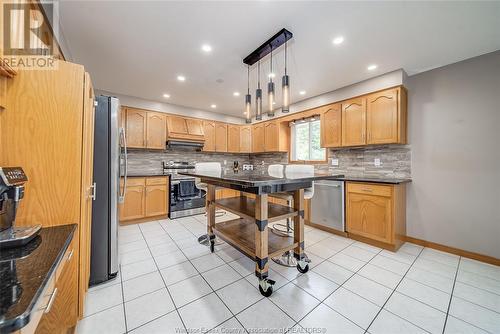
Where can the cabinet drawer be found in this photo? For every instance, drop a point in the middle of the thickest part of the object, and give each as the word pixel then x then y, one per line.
pixel 151 181
pixel 135 181
pixel 370 189
pixel 67 257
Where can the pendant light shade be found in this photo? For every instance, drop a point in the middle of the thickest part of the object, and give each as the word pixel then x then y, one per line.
pixel 248 108
pixel 248 99
pixel 270 90
pixel 285 87
pixel 258 97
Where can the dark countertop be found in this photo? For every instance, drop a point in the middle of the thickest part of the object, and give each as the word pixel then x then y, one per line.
pixel 258 178
pixel 146 174
pixel 26 270
pixel 372 179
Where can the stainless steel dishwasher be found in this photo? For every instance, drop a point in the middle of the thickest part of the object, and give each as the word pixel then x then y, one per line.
pixel 327 204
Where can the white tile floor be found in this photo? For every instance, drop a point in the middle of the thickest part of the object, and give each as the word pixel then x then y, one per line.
pixel 168 283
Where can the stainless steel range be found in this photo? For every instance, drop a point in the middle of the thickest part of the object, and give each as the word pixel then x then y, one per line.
pixel 185 198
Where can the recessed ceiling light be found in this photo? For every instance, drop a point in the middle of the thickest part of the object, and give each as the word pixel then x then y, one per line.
pixel 372 67
pixel 274 103
pixel 236 94
pixel 338 40
pixel 271 75
pixel 302 92
pixel 181 78
pixel 167 96
pixel 213 106
pixel 206 48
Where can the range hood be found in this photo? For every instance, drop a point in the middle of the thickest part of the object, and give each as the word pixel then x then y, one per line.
pixel 184 144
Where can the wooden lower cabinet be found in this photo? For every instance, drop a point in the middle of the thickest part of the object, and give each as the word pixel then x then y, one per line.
pixel 376 213
pixel 145 197
pixel 63 314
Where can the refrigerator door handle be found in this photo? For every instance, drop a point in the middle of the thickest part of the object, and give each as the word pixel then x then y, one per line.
pixel 123 190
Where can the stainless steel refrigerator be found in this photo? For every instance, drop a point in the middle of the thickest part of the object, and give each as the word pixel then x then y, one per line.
pixel 110 152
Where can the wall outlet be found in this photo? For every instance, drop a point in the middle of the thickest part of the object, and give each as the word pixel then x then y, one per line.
pixel 225 162
pixel 377 162
pixel 335 162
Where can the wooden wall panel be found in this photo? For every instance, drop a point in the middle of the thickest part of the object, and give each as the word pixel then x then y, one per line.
pixel 41 131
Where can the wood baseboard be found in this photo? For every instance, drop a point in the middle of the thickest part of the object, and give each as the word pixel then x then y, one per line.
pixel 453 250
pixel 142 220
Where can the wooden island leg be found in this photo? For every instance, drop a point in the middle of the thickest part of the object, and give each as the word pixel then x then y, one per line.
pixel 261 245
pixel 298 226
pixel 210 198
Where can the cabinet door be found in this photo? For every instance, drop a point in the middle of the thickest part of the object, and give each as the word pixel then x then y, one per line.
pixel 258 144
pixel 331 126
pixel 233 138
pixel 246 139
pixel 220 137
pixel 209 130
pixel 369 215
pixel 195 127
pixel 156 133
pixel 156 200
pixel 382 117
pixel 133 206
pixel 136 128
pixel 354 122
pixel 63 313
pixel 271 137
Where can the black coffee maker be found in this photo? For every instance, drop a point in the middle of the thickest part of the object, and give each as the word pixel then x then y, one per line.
pixel 12 180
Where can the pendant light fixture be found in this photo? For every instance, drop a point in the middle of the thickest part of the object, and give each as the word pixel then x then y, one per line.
pixel 258 96
pixel 270 89
pixel 286 87
pixel 248 99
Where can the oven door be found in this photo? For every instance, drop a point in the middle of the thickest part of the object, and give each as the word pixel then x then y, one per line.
pixel 185 198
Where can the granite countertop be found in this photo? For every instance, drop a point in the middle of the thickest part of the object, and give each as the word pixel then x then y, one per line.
pixel 146 174
pixel 25 271
pixel 372 179
pixel 258 178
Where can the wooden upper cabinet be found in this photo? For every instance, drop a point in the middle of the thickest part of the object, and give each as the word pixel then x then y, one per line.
pixel 136 128
pixel 386 117
pixel 233 138
pixel 276 136
pixel 331 126
pixel 258 143
pixel 209 131
pixel 271 136
pixel 220 137
pixel 354 122
pixel 246 139
pixel 156 130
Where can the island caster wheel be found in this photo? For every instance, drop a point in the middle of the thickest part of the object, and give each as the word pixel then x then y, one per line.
pixel 302 267
pixel 266 287
pixel 212 246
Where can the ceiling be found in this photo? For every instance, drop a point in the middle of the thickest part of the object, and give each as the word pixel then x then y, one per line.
pixel 138 48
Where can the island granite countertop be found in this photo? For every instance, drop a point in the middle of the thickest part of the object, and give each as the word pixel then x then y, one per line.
pixel 25 271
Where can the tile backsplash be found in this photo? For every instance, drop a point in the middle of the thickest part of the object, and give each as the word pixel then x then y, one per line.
pixel 395 160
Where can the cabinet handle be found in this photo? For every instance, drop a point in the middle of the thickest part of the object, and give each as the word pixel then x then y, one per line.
pixel 70 255
pixel 51 301
pixel 93 191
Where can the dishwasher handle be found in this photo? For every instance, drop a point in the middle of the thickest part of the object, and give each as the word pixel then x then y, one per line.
pixel 328 185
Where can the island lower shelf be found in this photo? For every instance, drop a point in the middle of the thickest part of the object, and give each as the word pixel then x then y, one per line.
pixel 245 207
pixel 240 233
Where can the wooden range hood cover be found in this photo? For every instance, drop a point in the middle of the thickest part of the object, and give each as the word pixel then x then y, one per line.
pixel 188 130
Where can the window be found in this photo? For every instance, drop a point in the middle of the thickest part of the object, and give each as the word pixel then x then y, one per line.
pixel 305 141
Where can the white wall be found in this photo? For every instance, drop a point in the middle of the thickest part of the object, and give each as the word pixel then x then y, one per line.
pixel 136 102
pixel 454 132
pixel 387 80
